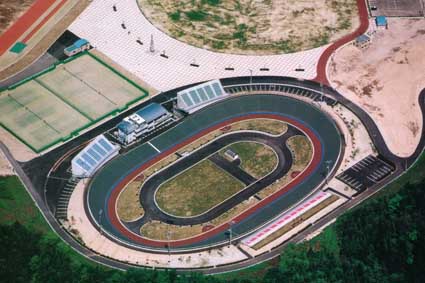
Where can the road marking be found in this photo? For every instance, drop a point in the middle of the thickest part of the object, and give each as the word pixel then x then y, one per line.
pixel 154 147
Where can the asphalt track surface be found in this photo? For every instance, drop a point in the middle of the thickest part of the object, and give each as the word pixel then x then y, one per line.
pixel 33 174
pixel 150 187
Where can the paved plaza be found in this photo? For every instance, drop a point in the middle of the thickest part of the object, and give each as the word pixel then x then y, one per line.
pixel 125 36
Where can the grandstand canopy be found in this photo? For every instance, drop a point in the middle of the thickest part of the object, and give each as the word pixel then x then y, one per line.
pixel 194 98
pixel 93 156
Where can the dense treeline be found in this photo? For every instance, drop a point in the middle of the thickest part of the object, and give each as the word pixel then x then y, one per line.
pixel 382 241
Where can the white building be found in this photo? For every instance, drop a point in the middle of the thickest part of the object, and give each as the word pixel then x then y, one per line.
pixel 78 46
pixel 142 122
pixel 93 156
pixel 199 96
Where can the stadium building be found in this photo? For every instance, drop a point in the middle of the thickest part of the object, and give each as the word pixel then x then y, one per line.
pixel 142 122
pixel 199 96
pixel 93 156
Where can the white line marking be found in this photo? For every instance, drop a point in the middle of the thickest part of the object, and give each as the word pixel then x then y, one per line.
pixel 154 147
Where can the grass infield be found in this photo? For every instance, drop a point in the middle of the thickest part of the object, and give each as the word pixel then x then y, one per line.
pixel 196 190
pixel 257 159
pixel 128 206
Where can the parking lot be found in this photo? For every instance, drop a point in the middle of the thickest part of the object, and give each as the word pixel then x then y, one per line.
pixel 366 173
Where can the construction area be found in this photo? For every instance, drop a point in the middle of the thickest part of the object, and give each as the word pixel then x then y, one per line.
pixel 385 79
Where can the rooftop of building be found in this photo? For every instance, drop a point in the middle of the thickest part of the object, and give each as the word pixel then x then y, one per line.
pixel 152 112
pixel 77 44
pixel 362 38
pixel 381 21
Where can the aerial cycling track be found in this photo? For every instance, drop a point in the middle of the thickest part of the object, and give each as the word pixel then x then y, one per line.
pixel 302 118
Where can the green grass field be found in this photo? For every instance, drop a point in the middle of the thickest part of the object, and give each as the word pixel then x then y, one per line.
pixel 196 190
pixel 257 159
pixel 17 206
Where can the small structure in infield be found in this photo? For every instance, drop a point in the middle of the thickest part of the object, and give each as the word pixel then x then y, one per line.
pixel 93 156
pixel 142 122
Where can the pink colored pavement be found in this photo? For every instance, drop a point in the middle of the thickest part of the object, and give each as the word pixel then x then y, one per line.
pixel 323 60
pixel 112 201
pixel 24 23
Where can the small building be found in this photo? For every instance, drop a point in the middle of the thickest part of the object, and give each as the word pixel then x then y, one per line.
pixel 231 154
pixel 142 122
pixel 362 41
pixel 381 22
pixel 78 46
pixel 93 156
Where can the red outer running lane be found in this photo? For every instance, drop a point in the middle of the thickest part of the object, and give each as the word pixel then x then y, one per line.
pixel 321 76
pixel 54 11
pixel 113 217
pixel 24 23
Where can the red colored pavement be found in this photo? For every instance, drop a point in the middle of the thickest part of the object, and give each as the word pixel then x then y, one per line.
pixel 112 201
pixel 13 33
pixel 323 60
pixel 54 11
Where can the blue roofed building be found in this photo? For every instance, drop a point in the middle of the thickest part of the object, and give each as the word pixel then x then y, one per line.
pixel 79 46
pixel 381 21
pixel 142 123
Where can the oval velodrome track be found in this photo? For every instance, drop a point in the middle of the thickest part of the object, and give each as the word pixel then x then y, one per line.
pixel 108 182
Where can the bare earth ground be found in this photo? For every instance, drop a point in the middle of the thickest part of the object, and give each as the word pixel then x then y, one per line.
pixel 248 27
pixel 19 151
pixel 11 10
pixel 5 167
pixel 386 79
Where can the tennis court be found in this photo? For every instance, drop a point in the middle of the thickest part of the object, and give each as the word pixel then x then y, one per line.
pixel 56 105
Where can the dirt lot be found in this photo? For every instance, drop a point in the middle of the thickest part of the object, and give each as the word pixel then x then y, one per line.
pixel 385 79
pixel 11 10
pixel 5 167
pixel 247 27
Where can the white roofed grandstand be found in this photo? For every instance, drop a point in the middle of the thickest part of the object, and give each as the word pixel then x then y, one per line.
pixel 199 96
pixel 93 156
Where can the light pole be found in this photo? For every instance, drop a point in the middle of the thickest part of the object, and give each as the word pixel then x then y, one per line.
pixel 230 231
pixel 168 245
pixel 250 80
pixel 328 162
pixel 100 221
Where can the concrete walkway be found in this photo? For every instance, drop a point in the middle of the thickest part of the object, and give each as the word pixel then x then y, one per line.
pixel 102 26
